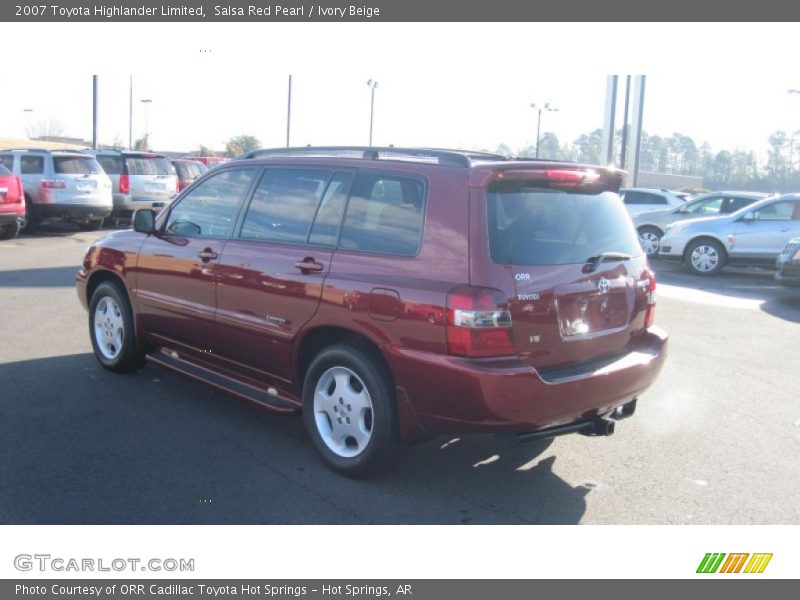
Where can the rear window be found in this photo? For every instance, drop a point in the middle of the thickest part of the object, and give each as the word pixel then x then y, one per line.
pixel 111 164
pixel 141 165
pixel 75 165
pixel 639 198
pixel 4 171
pixel 7 160
pixel 534 226
pixel 31 165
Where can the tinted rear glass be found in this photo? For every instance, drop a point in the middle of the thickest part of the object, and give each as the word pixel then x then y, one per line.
pixel 7 160
pixel 534 226
pixel 4 171
pixel 111 164
pixel 140 165
pixel 75 165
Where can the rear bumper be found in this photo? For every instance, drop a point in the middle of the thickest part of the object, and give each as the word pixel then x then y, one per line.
pixel 10 217
pixel 78 212
pixel 448 394
pixel 126 204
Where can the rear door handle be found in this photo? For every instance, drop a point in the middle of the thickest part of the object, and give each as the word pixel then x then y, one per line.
pixel 207 254
pixel 308 265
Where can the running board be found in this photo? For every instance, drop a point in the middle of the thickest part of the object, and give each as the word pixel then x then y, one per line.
pixel 267 398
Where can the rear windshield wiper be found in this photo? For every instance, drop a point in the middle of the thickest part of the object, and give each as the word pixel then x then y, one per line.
pixel 592 262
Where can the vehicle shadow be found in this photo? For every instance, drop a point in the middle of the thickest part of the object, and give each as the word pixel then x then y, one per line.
pixel 44 277
pixel 83 445
pixel 734 287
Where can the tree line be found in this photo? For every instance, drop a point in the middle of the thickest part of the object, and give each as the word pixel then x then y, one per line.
pixel 678 154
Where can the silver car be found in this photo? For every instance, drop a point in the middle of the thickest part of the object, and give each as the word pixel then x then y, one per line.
pixel 651 224
pixel 752 236
pixel 639 200
pixel 140 179
pixel 60 185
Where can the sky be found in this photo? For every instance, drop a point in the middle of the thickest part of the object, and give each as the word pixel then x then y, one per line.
pixel 443 85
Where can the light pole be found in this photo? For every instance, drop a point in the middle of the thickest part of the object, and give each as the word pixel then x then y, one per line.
pixel 146 102
pixel 541 108
pixel 372 85
pixel 28 112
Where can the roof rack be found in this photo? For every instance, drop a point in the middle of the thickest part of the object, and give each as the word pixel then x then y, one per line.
pixel 42 150
pixel 451 158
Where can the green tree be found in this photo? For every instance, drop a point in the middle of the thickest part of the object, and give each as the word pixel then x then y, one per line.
pixel 240 144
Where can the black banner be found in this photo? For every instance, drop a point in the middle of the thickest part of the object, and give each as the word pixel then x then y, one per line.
pixel 371 589
pixel 397 11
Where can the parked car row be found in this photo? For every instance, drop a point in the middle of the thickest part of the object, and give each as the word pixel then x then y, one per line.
pixel 87 187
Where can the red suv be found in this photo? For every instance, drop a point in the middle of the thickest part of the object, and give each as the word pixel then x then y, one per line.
pixel 392 294
pixel 12 204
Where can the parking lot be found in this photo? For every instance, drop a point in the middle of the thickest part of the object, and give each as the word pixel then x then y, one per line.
pixel 715 441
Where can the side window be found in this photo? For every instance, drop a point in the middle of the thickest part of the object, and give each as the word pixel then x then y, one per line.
pixel 779 211
pixel 210 209
pixel 284 205
pixel 112 165
pixel 707 207
pixel 385 214
pixel 736 204
pixel 7 160
pixel 325 230
pixel 638 198
pixel 31 164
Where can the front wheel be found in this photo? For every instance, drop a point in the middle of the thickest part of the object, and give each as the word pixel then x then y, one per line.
pixel 112 331
pixel 705 257
pixel 350 412
pixel 649 239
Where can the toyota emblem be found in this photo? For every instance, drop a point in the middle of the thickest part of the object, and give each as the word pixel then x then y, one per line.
pixel 603 286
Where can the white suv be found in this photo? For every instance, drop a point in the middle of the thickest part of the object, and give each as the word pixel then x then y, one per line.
pixel 639 200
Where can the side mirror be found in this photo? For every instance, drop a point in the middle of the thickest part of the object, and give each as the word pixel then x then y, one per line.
pixel 144 221
pixel 747 217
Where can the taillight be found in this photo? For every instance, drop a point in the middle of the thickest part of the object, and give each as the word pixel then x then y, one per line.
pixel 478 322
pixel 20 191
pixel 650 313
pixel 53 184
pixel 565 178
pixel 124 184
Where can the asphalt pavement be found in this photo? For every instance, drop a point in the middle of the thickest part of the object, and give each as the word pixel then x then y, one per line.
pixel 715 441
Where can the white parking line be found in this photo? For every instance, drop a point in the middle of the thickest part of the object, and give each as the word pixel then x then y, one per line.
pixel 700 297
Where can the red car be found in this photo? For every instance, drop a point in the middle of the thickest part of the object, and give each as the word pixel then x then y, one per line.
pixel 187 170
pixel 12 204
pixel 391 294
pixel 209 161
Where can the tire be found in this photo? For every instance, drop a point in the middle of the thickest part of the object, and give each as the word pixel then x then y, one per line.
pixel 29 221
pixel 92 225
pixel 705 257
pixel 649 240
pixel 350 412
pixel 111 329
pixel 9 231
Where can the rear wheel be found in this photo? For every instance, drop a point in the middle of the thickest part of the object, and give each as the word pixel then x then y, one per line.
pixel 9 230
pixel 349 410
pixel 112 330
pixel 650 239
pixel 705 257
pixel 29 221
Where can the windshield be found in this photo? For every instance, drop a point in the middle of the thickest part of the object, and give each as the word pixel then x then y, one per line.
pixel 76 165
pixel 156 165
pixel 535 226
